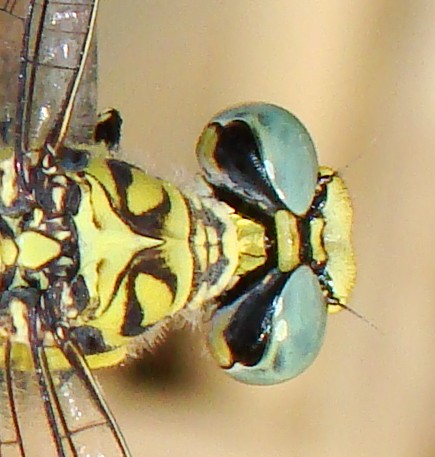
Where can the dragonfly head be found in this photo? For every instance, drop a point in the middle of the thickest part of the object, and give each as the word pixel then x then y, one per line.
pixel 270 325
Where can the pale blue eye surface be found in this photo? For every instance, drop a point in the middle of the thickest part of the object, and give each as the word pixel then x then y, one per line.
pixel 286 148
pixel 298 329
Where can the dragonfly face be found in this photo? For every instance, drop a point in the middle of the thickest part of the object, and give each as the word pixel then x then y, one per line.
pixel 96 255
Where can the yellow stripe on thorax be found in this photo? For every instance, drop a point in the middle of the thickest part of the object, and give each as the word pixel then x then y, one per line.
pixel 110 250
pixel 106 243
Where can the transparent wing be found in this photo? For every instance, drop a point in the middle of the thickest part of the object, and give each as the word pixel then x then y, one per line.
pixel 47 44
pixel 43 49
pixel 11 35
pixel 52 413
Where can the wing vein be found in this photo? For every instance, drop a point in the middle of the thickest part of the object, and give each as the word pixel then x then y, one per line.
pixel 45 391
pixel 11 398
pixel 59 130
pixel 53 394
pixel 72 353
pixel 36 64
pixel 9 8
pixel 32 78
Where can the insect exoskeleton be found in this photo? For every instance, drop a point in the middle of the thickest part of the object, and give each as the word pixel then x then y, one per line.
pixel 295 259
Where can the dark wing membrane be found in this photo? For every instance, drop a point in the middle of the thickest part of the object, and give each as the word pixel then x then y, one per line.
pixel 57 39
pixel 52 413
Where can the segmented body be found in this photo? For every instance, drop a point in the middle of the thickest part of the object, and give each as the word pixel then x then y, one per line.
pixel 96 256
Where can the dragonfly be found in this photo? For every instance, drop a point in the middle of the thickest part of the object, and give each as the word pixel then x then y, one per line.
pixel 97 257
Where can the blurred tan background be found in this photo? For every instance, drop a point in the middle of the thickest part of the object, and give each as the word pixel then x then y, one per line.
pixel 361 75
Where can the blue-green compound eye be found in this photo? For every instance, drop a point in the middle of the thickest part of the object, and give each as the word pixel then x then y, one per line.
pixel 257 144
pixel 294 326
pixel 292 220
